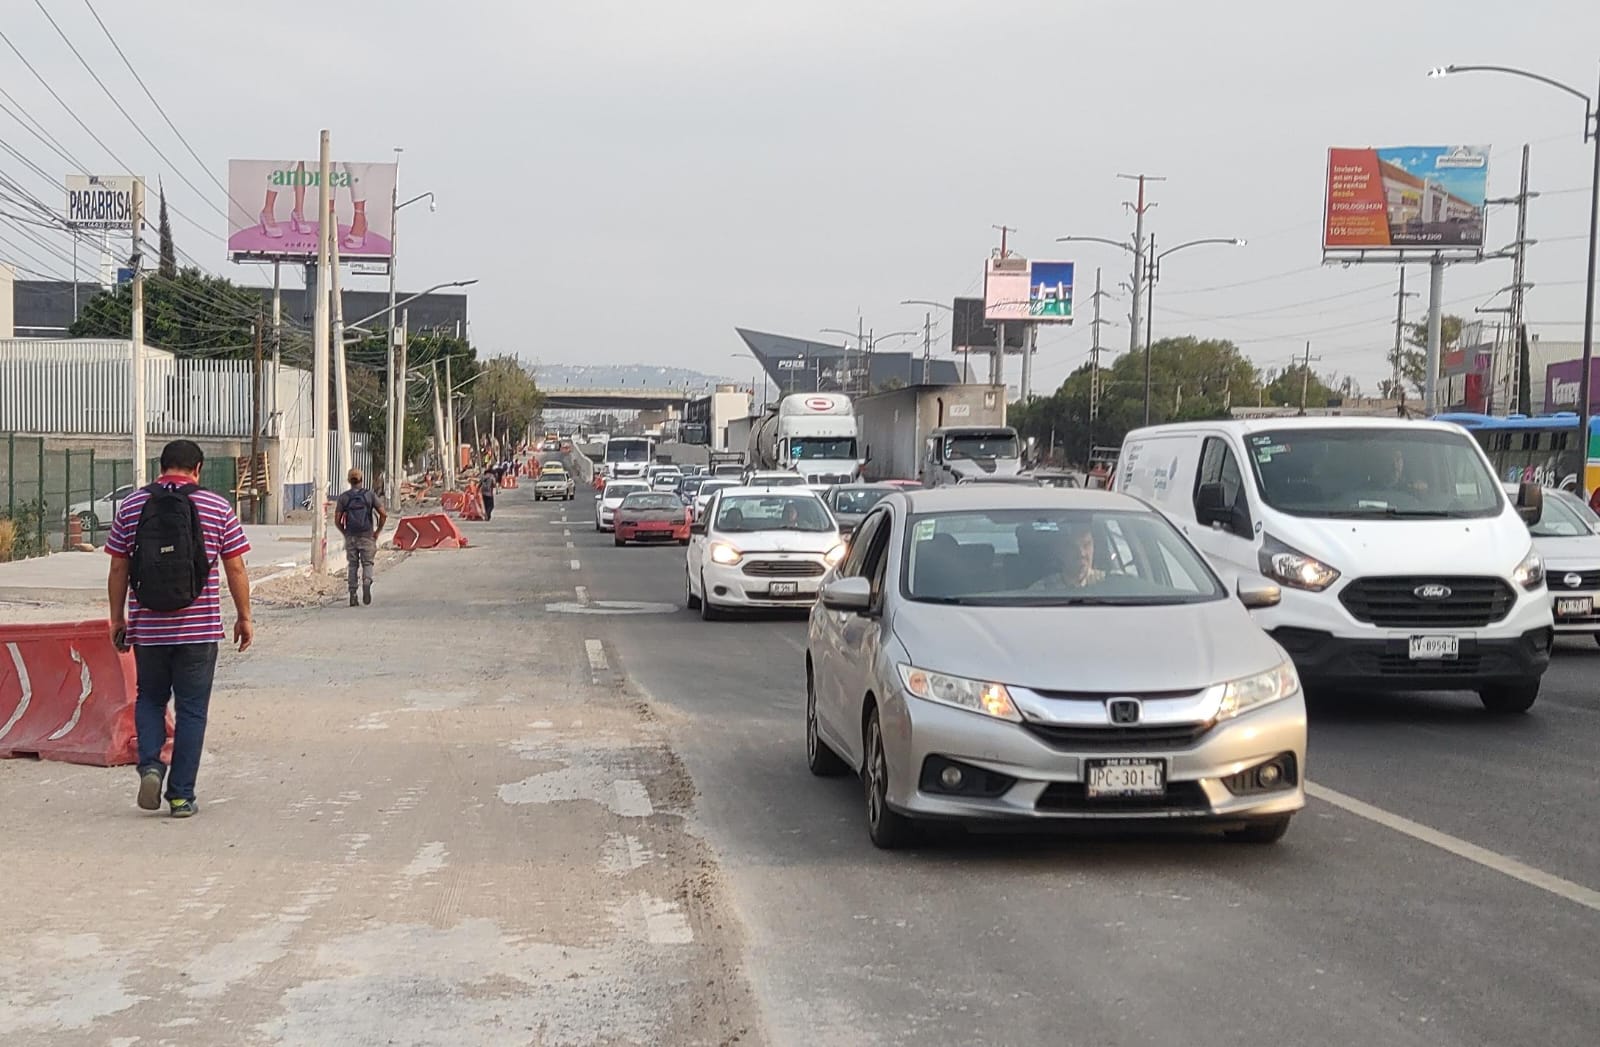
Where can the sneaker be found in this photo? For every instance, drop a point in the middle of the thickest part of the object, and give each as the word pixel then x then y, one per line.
pixel 150 789
pixel 183 808
pixel 353 601
pixel 366 593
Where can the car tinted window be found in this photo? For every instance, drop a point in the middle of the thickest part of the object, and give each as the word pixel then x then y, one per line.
pixel 1050 556
pixel 623 490
pixel 773 512
pixel 856 499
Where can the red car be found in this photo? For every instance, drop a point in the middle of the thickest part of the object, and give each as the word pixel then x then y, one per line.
pixel 652 516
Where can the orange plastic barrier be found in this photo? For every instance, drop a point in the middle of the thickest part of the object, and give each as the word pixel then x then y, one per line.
pixel 473 509
pixel 452 501
pixel 428 531
pixel 67 694
pixel 509 480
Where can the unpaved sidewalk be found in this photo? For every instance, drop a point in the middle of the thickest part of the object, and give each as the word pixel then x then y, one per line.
pixel 437 820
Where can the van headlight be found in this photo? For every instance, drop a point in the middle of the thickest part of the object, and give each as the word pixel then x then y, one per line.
pixel 1289 566
pixel 725 554
pixel 1250 692
pixel 1530 572
pixel 834 555
pixel 978 696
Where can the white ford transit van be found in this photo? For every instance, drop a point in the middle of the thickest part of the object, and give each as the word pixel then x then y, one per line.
pixel 1403 564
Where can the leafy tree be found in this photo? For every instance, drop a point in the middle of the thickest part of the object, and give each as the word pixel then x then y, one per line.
pixel 1284 389
pixel 504 398
pixel 1412 356
pixel 426 353
pixel 190 314
pixel 168 264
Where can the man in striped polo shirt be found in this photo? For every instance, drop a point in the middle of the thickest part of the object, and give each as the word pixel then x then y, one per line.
pixel 175 651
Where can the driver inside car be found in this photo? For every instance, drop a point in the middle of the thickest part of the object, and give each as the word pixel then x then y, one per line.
pixel 1074 561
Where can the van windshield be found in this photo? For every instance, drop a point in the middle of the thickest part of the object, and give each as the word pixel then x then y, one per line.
pixel 1000 444
pixel 1373 473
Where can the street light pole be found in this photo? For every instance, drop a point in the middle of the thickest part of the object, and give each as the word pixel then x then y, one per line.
pixel 1591 133
pixel 1151 279
pixel 927 337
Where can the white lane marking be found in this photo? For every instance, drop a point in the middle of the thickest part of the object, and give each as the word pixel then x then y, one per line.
pixel 597 655
pixel 430 859
pixel 570 545
pixel 1562 888
pixel 582 593
pixel 576 565
pixel 565 533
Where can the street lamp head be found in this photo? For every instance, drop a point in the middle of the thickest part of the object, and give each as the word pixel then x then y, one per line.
pixel 1240 241
pixel 433 205
pixel 1440 70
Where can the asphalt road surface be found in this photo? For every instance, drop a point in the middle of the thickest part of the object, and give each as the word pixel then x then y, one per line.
pixel 1443 887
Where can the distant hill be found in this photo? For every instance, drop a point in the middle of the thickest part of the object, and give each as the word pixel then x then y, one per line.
pixel 614 376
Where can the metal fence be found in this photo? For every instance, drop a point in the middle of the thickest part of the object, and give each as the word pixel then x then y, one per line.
pixel 50 500
pixel 60 388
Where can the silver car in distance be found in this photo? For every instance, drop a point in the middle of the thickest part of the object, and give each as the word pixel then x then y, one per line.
pixel 1001 653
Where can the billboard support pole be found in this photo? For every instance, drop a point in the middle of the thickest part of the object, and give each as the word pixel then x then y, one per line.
pixel 319 375
pixel 1030 338
pixel 1584 385
pixel 136 336
pixel 1430 371
pixel 997 359
pixel 277 339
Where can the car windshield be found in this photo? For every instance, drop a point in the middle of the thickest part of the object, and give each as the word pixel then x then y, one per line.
pixel 710 486
pixel 857 500
pixel 692 484
pixel 1374 473
pixel 814 447
pixel 1052 557
pixel 1564 516
pixel 778 480
pixel 773 512
pixel 627 451
pixel 980 445
pixel 651 501
pixel 622 490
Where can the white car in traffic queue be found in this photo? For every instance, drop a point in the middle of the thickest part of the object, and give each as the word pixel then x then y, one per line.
pixel 1567 538
pixel 702 497
pixel 611 496
pixel 759 547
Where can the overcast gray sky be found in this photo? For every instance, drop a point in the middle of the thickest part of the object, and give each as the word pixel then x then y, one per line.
pixel 630 179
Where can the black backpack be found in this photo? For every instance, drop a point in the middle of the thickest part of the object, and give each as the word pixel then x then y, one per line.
pixel 358 508
pixel 169 569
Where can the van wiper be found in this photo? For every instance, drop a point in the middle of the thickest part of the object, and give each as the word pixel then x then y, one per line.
pixel 1428 513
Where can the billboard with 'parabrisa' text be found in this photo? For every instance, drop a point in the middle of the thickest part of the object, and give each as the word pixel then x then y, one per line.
pixel 1412 197
pixel 272 210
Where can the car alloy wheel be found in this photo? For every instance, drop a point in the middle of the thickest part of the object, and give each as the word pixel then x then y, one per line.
pixel 708 610
pixel 887 828
pixel 822 760
pixel 689 597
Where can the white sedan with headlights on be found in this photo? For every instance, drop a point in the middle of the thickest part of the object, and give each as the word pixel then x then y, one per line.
pixel 759 548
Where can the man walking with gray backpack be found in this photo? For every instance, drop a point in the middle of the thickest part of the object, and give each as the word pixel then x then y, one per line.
pixel 360 516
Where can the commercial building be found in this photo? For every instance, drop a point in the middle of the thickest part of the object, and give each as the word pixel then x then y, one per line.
pixel 800 365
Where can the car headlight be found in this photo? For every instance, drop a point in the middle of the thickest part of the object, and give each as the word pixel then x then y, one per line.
pixel 1250 692
pixel 1530 572
pixel 834 555
pixel 1289 566
pixel 979 696
pixel 725 554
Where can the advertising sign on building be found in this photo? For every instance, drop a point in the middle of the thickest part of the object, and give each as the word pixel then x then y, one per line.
pixel 1005 290
pixel 1407 197
pixel 1561 382
pixel 1050 292
pixel 272 210
pixel 100 201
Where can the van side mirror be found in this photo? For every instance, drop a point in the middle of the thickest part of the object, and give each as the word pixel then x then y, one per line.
pixel 1211 509
pixel 1260 596
pixel 1530 503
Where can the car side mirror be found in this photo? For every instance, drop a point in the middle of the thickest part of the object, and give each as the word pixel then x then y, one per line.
pixel 1210 506
pixel 847 594
pixel 697 528
pixel 1530 503
pixel 1260 596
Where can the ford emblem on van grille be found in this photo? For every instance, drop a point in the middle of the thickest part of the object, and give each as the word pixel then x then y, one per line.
pixel 1432 592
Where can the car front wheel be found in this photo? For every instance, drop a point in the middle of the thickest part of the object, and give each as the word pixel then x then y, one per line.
pixel 820 758
pixel 689 598
pixel 709 612
pixel 888 829
pixel 1262 830
pixel 1509 699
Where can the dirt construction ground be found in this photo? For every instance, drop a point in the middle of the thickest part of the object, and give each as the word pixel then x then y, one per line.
pixel 442 819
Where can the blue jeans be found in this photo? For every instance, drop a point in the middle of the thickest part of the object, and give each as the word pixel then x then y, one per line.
pixel 182 673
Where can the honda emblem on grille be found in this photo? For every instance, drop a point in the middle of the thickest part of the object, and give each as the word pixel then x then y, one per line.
pixel 1573 580
pixel 1432 592
pixel 1124 710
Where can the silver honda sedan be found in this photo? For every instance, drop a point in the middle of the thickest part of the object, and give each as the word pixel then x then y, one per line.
pixel 1033 655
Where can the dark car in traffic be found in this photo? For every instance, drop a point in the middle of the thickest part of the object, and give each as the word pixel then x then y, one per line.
pixel 850 502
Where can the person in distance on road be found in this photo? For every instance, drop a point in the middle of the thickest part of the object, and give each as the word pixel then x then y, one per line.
pixel 488 483
pixel 360 516
pixel 166 543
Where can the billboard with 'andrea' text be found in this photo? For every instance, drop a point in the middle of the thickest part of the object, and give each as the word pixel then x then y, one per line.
pixel 272 210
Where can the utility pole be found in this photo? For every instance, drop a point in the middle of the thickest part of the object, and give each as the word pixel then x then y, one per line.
pixel 1399 334
pixel 136 343
pixel 391 450
pixel 1094 360
pixel 1139 208
pixel 927 347
pixel 277 337
pixel 397 464
pixel 1305 377
pixel 1149 323
pixel 319 376
pixel 255 429
pixel 1030 340
pixel 1519 378
pixel 997 360
pixel 341 372
pixel 450 424
pixel 438 428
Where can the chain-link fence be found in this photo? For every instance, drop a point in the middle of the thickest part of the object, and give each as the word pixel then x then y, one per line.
pixel 50 500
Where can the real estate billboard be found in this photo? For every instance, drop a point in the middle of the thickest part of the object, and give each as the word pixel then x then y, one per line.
pixel 1407 197
pixel 1005 290
pixel 272 210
